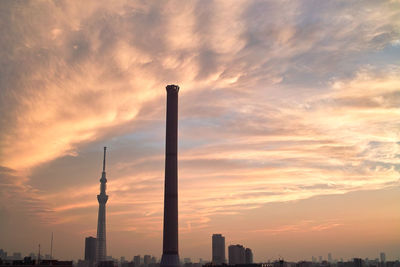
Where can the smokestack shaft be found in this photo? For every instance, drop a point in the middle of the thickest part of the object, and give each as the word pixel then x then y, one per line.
pixel 170 238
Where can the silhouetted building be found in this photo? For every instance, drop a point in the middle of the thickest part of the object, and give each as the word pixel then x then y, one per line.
pixel 127 264
pixel 3 254
pixel 249 256
pixel 17 256
pixel 304 264
pixel 155 264
pixel 383 257
pixel 107 263
pixel 146 260
pixel 83 263
pixel 329 257
pixel 28 261
pixel 170 256
pixel 218 249
pixel 101 250
pixel 237 254
pixel 280 263
pixel 90 250
pixel 136 261
pixel 392 263
pixel 358 262
pixel 191 264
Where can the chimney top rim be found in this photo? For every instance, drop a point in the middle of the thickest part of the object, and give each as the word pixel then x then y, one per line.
pixel 172 88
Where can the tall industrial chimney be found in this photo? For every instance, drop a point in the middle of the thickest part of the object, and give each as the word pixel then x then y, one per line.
pixel 170 257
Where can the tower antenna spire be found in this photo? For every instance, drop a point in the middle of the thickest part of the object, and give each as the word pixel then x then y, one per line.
pixel 104 159
pixel 51 247
pixel 38 261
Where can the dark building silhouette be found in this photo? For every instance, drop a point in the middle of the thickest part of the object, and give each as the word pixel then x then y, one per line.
pixel 358 262
pixel 170 256
pixel 82 263
pixel 146 260
pixel 127 264
pixel 90 250
pixel 107 263
pixel 28 261
pixel 305 264
pixel 136 261
pixel 17 256
pixel 383 257
pixel 280 263
pixel 249 256
pixel 218 249
pixel 101 251
pixel 3 254
pixel 237 254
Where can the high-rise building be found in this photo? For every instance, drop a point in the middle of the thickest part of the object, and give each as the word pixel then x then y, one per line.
pixel 329 257
pixel 90 250
pixel 101 251
pixel 170 256
pixel 3 254
pixel 383 257
pixel 136 261
pixel 249 256
pixel 218 249
pixel 146 260
pixel 237 254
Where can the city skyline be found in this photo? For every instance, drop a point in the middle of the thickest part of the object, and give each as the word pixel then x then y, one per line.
pixel 138 260
pixel 289 123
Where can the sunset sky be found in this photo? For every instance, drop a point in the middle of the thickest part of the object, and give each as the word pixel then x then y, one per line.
pixel 289 125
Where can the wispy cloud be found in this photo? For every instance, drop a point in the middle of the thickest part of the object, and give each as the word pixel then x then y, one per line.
pixel 303 227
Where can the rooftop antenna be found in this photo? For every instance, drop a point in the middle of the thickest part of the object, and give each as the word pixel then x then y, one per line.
pixel 51 247
pixel 38 263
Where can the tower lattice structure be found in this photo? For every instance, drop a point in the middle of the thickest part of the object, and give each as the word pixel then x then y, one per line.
pixel 101 251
